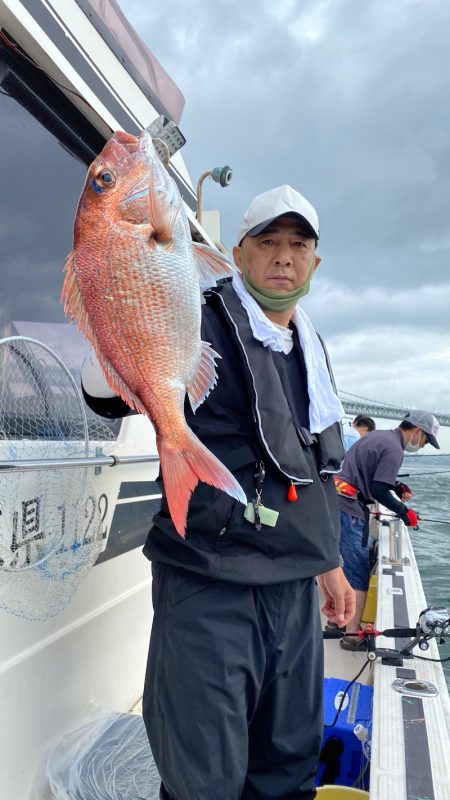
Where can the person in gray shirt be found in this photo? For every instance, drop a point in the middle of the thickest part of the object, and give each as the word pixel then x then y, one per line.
pixel 369 474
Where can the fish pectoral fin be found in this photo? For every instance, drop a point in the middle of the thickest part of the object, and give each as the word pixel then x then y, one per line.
pixel 115 382
pixel 70 293
pixel 75 308
pixel 73 300
pixel 211 265
pixel 205 378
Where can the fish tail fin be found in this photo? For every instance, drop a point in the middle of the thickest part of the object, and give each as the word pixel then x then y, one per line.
pixel 183 469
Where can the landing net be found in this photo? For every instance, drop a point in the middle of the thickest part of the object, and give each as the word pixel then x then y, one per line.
pixel 49 518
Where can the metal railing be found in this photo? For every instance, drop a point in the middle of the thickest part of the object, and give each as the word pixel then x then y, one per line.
pixel 71 463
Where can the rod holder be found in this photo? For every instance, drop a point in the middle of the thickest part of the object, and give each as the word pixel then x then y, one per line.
pixel 395 541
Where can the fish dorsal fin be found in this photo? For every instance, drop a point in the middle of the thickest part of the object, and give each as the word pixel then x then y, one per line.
pixel 162 215
pixel 211 265
pixel 205 378
pixel 74 307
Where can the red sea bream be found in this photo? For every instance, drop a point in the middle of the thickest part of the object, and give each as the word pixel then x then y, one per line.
pixel 133 283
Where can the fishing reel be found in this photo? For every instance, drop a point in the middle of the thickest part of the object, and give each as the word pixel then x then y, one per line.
pixel 433 623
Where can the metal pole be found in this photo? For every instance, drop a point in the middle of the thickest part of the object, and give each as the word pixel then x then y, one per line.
pixel 199 195
pixel 72 463
pixel 395 541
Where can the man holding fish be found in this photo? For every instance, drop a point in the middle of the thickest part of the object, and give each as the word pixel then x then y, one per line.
pixel 233 693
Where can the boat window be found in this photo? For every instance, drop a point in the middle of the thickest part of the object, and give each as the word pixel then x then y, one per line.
pixel 46 145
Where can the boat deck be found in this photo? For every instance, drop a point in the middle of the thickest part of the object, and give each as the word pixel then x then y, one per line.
pixel 410 737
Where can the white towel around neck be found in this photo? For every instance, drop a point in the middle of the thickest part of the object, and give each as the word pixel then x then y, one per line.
pixel 325 408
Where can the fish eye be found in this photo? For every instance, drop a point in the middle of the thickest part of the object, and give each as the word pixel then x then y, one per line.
pixel 105 178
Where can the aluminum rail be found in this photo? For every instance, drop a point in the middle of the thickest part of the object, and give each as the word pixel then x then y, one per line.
pixel 71 463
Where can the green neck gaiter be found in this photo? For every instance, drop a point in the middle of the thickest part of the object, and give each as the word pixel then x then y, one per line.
pixel 274 301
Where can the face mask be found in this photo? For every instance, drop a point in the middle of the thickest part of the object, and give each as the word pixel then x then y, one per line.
pixel 413 448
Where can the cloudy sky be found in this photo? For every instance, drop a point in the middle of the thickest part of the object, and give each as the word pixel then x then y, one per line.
pixel 348 101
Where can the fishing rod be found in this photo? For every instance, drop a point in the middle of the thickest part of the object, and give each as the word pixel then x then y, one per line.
pixel 414 474
pixel 379 514
pixel 433 623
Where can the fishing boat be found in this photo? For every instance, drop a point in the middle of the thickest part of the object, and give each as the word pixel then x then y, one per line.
pixel 71 73
pixel 399 706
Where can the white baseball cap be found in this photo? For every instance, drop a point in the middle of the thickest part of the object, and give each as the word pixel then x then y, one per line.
pixel 267 207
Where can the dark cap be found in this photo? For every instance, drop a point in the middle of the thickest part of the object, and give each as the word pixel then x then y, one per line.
pixel 427 422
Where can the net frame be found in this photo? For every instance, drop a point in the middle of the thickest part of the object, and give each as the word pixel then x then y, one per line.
pixel 41 587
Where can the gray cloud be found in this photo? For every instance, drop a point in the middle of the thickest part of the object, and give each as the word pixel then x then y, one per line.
pixel 355 309
pixel 346 101
pixel 342 99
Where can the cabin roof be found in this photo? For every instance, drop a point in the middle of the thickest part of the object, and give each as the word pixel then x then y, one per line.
pixel 137 59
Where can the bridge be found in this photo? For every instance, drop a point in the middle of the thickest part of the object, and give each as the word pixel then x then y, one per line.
pixel 355 404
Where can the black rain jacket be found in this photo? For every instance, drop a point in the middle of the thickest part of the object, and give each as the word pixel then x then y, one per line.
pixel 246 422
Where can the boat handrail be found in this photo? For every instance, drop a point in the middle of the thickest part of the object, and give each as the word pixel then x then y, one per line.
pixel 24 465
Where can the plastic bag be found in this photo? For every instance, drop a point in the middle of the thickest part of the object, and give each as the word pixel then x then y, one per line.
pixel 106 758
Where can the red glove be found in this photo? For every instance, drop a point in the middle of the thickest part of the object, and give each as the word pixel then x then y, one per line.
pixel 412 519
pixel 402 491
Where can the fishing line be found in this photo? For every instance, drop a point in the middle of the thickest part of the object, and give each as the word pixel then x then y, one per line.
pixel 344 694
pixel 357 782
pixel 420 474
pixel 379 514
pixel 436 660
pixel 8 43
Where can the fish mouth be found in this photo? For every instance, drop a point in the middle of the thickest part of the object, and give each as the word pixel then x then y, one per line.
pixel 128 141
pixel 134 144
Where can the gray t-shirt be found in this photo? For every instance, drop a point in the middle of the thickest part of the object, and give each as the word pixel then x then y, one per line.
pixel 377 456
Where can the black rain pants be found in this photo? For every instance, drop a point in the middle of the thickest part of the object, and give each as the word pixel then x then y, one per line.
pixel 234 685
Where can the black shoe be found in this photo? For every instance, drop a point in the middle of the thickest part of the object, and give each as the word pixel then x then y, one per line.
pixel 331 626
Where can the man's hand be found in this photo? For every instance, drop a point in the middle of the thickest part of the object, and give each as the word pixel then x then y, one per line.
pixel 403 491
pixel 411 518
pixel 339 597
pixel 93 379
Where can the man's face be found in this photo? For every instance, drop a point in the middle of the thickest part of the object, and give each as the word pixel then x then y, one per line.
pixel 280 258
pixel 418 437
